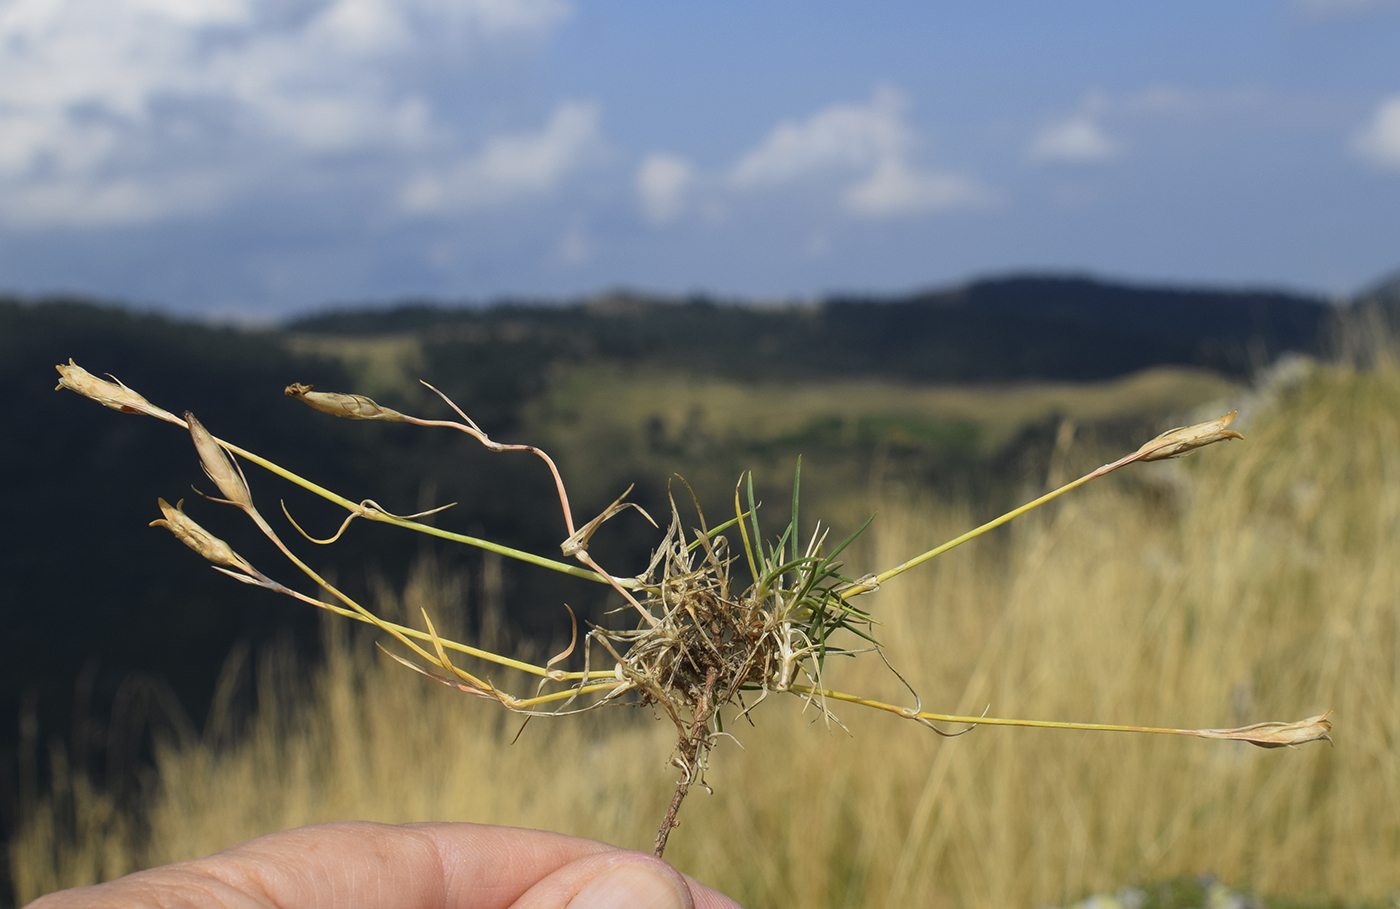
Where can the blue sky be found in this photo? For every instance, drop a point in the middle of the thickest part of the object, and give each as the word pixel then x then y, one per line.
pixel 249 159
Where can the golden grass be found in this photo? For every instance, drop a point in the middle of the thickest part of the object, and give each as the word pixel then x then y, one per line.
pixel 1260 582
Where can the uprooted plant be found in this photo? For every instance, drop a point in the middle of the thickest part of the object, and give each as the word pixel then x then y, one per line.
pixel 697 644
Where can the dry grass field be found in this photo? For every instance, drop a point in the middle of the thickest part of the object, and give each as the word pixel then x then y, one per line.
pixel 1255 581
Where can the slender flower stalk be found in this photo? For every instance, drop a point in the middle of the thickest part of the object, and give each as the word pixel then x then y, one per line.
pixel 1265 735
pixel 1174 443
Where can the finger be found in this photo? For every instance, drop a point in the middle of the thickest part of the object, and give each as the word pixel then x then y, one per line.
pixel 610 880
pixel 463 866
pixel 471 866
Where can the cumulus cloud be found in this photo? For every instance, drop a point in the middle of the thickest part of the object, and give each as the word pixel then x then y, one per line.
pixel 870 140
pixel 850 135
pixel 1091 133
pixel 512 166
pixel 105 105
pixel 663 182
pixel 893 188
pixel 1379 141
pixel 1077 140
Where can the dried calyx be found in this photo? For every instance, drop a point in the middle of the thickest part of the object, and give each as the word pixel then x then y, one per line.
pixel 337 404
pixel 197 538
pixel 109 394
pixel 1179 442
pixel 220 468
pixel 1276 735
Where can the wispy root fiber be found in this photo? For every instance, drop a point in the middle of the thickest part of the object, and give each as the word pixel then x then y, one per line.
pixel 697 646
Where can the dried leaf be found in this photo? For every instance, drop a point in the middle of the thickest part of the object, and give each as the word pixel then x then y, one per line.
pixel 578 542
pixel 1183 440
pixel 351 407
pixel 564 654
pixel 450 683
pixel 109 394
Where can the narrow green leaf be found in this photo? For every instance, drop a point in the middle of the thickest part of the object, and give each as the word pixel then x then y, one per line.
pixel 744 534
pixel 753 517
pixel 796 486
pixel 851 539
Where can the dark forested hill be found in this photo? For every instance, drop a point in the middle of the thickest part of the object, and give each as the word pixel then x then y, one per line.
pixel 1075 329
pixel 1016 328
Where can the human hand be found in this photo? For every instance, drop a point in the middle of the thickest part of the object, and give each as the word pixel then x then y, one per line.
pixel 382 866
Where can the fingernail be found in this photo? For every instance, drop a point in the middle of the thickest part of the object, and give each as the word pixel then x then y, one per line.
pixel 631 886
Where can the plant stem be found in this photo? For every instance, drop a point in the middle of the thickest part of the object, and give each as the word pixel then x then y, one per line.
pixel 879 579
pixel 976 720
pixel 375 515
pixel 690 748
pixel 928 716
pixel 467 649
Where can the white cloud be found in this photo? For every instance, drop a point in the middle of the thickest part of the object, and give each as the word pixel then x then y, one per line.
pixel 104 104
pixel 362 27
pixel 498 17
pixel 871 140
pixel 1091 134
pixel 843 135
pixel 663 182
pixel 104 203
pixel 510 167
pixel 1077 140
pixel 894 189
pixel 1379 141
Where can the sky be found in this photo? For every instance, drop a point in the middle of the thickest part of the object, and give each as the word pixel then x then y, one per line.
pixel 254 159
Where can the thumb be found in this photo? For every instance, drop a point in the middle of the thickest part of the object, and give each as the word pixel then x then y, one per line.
pixel 620 880
pixel 635 885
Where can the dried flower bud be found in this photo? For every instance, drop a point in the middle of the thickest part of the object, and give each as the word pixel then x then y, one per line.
pixel 219 466
pixel 1276 735
pixel 197 538
pixel 351 407
pixel 109 394
pixel 1182 441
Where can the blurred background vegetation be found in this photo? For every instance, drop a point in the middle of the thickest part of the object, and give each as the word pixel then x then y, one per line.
pixel 153 710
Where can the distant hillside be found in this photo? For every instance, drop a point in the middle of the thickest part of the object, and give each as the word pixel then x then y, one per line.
pixel 1072 329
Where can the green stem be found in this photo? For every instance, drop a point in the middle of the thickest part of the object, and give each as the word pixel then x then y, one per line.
pixel 907 713
pixel 879 579
pixel 467 649
pixel 373 515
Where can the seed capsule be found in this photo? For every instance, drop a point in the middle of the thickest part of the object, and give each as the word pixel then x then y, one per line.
pixel 1277 735
pixel 1176 443
pixel 197 538
pixel 351 407
pixel 109 394
pixel 219 466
